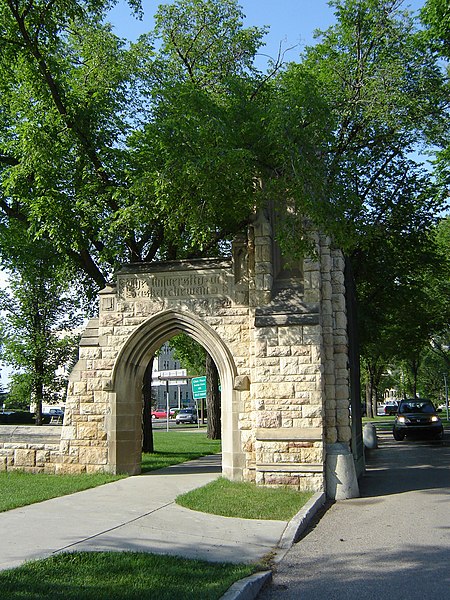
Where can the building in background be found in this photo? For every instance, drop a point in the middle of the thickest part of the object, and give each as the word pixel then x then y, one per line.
pixel 165 367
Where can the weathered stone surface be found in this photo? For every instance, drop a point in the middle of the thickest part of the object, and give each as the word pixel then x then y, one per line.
pixel 24 458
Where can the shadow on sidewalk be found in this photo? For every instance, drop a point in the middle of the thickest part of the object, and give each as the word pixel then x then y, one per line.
pixel 413 464
pixel 205 464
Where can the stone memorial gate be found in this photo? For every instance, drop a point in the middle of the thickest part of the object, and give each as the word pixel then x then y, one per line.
pixel 279 340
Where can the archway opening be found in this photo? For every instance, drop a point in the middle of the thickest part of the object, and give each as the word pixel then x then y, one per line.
pixel 181 396
pixel 125 440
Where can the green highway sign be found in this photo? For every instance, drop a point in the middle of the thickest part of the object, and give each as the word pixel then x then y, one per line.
pixel 198 388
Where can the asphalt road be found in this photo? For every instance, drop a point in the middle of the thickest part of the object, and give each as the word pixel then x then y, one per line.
pixel 392 543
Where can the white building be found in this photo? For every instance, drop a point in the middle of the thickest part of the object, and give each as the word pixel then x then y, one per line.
pixel 166 374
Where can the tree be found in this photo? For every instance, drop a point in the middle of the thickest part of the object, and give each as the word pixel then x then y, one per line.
pixel 190 353
pixel 72 95
pixel 37 331
pixel 66 98
pixel 386 93
pixel 147 153
pixel 214 431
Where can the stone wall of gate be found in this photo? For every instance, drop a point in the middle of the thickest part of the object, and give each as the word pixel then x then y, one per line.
pixel 285 331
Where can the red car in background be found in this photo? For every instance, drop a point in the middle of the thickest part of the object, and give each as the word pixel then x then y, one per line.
pixel 159 414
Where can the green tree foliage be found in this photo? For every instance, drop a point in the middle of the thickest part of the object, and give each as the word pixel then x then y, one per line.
pixel 436 16
pixel 19 395
pixel 386 92
pixel 36 331
pixel 384 87
pixel 190 353
pixel 66 85
pixel 164 149
pixel 436 19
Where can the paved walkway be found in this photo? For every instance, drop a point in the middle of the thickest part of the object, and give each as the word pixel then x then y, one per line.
pixel 136 514
pixel 393 542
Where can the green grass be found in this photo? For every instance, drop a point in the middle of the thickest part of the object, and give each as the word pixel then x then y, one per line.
pixel 382 422
pixel 19 489
pixel 245 500
pixel 174 447
pixel 119 576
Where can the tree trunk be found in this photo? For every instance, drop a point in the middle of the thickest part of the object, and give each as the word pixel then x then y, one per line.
pixel 369 408
pixel 354 364
pixel 38 396
pixel 147 423
pixel 212 400
pixel 415 371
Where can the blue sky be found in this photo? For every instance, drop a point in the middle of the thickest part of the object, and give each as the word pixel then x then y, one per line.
pixel 291 22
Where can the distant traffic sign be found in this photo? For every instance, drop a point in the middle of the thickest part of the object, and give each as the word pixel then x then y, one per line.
pixel 198 388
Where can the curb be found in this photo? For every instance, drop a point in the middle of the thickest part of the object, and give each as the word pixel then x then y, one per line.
pixel 249 588
pixel 300 521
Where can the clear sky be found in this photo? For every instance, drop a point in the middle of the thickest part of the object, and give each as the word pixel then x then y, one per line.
pixel 291 22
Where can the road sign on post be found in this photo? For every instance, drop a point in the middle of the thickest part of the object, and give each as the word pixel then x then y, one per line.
pixel 198 388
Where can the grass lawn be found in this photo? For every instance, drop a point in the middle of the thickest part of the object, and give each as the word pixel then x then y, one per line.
pixel 119 576
pixel 245 500
pixel 173 447
pixel 19 489
pixel 382 422
pixel 143 576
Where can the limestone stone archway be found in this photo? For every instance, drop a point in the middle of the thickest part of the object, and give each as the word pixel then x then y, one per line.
pixel 278 334
pixel 125 427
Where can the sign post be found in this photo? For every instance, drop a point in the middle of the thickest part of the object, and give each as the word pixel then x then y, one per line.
pixel 198 385
pixel 198 388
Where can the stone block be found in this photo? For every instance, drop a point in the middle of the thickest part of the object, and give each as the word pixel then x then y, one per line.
pixel 89 353
pixel 276 351
pixel 24 458
pixel 268 419
pixel 291 336
pixel 69 469
pixel 344 433
pixel 93 456
pixel 87 431
pixel 79 388
pixel 312 412
pixel 111 319
pixel 42 457
pixel 267 390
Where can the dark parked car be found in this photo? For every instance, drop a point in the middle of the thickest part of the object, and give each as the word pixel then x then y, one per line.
pixel 187 415
pixel 417 417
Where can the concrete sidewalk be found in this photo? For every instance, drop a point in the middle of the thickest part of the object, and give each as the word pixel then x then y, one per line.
pixel 136 514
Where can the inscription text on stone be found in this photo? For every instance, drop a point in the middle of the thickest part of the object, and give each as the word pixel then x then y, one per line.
pixel 172 285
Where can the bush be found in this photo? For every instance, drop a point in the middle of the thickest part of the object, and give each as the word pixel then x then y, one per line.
pixel 17 417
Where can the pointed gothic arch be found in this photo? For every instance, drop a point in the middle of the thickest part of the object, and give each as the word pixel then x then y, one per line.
pixel 125 395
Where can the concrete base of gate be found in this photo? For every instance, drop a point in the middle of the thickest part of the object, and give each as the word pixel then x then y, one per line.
pixel 341 479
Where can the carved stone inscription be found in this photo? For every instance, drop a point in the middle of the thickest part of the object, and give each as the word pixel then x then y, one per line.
pixel 172 285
